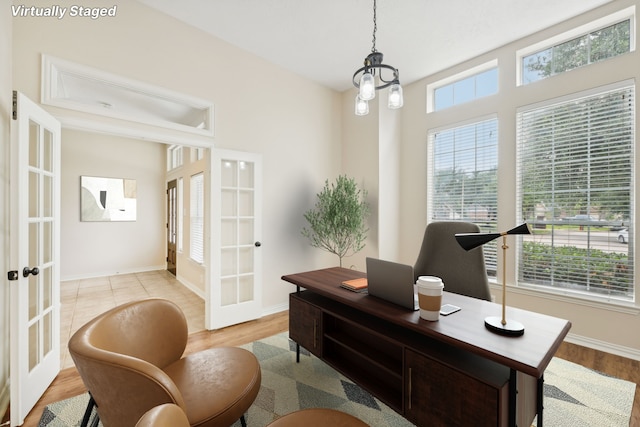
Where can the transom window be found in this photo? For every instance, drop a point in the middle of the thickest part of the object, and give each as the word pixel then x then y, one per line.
pixel 588 48
pixel 174 157
pixel 466 89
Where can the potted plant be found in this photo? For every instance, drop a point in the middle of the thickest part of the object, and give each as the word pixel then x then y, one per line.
pixel 337 223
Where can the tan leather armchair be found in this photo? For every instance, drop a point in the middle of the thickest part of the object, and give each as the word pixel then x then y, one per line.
pixel 130 360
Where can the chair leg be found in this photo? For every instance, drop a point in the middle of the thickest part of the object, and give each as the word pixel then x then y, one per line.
pixel 87 414
pixel 242 421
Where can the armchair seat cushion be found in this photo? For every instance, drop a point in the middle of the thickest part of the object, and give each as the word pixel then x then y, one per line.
pixel 167 415
pixel 217 384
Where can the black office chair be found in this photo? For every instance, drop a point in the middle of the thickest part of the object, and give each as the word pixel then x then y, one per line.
pixel 463 272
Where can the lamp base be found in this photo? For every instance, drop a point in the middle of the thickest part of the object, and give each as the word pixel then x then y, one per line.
pixel 512 328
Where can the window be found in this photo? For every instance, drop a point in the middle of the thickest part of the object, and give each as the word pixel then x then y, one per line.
pixel 197 153
pixel 80 88
pixel 180 213
pixel 464 181
pixel 575 186
pixel 465 89
pixel 174 157
pixel 589 48
pixel 196 237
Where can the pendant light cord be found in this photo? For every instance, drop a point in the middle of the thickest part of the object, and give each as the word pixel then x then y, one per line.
pixel 375 27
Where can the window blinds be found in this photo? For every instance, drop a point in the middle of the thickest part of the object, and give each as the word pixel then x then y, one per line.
pixel 575 186
pixel 197 219
pixel 464 182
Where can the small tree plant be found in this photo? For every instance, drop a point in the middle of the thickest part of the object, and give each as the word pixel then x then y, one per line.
pixel 337 224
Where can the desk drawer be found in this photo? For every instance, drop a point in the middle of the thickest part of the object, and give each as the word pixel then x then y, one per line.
pixel 305 324
pixel 437 394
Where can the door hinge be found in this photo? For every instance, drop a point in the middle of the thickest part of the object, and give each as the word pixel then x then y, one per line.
pixel 13 275
pixel 14 113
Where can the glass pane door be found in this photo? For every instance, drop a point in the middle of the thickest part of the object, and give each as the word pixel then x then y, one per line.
pixel 237 276
pixel 235 293
pixel 35 255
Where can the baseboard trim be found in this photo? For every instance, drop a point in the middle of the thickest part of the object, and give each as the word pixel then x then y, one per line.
pixel 113 273
pixel 619 350
pixel 275 309
pixel 191 286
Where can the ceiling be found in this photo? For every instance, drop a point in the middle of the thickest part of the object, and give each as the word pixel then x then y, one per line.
pixel 326 41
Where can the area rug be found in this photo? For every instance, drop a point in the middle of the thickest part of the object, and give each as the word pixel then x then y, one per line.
pixel 574 395
pixel 578 396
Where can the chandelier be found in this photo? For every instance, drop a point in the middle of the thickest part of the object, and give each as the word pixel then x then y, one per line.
pixel 365 78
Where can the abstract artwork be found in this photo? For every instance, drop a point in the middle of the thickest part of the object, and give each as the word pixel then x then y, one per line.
pixel 107 199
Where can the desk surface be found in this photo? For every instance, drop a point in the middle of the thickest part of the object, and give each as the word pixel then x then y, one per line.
pixel 529 353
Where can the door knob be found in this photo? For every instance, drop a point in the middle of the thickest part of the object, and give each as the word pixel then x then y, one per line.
pixel 258 244
pixel 26 271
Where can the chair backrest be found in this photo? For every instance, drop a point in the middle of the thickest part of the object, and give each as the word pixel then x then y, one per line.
pixel 120 355
pixel 463 272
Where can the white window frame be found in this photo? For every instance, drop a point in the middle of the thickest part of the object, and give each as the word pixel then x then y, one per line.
pixel 432 87
pixel 593 296
pixel 197 153
pixel 175 157
pixel 605 21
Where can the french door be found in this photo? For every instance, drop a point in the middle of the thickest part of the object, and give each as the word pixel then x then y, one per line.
pixel 34 255
pixel 235 292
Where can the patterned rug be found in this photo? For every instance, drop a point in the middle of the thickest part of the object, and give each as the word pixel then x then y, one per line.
pixel 574 395
pixel 580 397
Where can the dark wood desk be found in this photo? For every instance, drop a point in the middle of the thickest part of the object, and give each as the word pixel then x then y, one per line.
pixel 393 353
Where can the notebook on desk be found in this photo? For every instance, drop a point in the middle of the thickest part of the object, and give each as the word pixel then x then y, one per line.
pixel 392 281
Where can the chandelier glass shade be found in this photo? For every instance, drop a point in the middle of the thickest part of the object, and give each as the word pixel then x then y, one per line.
pixel 376 75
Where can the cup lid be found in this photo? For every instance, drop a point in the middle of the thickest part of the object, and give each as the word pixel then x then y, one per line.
pixel 430 282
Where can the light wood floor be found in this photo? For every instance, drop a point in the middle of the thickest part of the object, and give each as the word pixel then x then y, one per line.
pixel 69 384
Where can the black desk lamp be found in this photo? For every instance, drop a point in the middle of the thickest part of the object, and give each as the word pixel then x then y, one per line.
pixel 469 241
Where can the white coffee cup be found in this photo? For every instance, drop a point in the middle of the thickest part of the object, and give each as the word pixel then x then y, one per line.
pixel 430 290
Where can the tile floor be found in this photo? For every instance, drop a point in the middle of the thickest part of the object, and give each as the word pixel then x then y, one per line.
pixel 84 299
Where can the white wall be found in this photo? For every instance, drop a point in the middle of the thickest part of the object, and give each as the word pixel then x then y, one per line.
pixel 257 109
pixel 90 249
pixel 5 121
pixel 360 161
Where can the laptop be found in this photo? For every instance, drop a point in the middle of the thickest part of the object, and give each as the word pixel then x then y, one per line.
pixel 392 282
